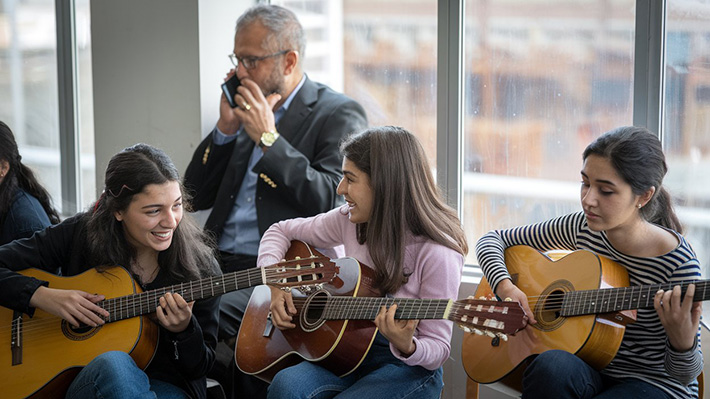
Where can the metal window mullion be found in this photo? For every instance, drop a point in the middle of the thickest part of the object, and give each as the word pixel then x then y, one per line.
pixel 449 100
pixel 649 61
pixel 68 100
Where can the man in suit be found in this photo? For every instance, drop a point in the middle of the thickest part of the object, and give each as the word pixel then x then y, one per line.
pixel 273 157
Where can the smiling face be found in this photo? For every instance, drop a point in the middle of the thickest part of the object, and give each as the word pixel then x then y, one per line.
pixel 151 218
pixel 608 201
pixel 355 187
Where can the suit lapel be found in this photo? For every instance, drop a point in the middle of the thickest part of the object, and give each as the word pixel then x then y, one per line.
pixel 238 163
pixel 231 181
pixel 292 121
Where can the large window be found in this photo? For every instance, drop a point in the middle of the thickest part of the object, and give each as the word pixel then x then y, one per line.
pixel 686 133
pixel 382 54
pixel 29 98
pixel 28 86
pixel 542 80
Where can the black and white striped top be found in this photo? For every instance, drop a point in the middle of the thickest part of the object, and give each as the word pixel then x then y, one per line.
pixel 644 352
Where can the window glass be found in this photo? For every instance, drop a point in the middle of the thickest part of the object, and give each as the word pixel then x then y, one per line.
pixel 28 86
pixel 85 101
pixel 381 53
pixel 542 79
pixel 686 119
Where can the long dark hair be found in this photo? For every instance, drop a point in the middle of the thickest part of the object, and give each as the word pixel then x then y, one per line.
pixel 189 256
pixel 637 156
pixel 20 177
pixel 406 200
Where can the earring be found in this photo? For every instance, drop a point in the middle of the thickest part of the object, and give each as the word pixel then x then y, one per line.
pixel 639 206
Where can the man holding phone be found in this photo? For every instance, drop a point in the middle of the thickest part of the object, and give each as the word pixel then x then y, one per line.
pixel 271 157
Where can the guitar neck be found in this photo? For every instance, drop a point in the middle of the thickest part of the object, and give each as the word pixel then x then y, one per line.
pixel 354 308
pixel 617 299
pixel 128 306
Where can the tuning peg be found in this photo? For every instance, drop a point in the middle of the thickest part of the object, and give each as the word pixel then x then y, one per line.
pixel 477 331
pixel 502 336
pixel 464 318
pixel 490 334
pixel 508 299
pixel 483 298
pixel 471 297
pixel 466 329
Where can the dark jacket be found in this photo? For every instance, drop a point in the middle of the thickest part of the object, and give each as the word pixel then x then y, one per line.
pixel 304 165
pixel 24 217
pixel 61 249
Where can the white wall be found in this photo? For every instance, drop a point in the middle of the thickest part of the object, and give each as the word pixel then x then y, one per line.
pixel 157 66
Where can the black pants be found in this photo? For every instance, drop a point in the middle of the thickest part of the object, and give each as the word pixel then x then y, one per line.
pixel 232 306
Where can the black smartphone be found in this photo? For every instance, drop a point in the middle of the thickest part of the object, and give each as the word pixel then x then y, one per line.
pixel 230 89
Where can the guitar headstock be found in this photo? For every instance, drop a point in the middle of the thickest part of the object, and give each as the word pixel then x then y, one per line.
pixel 312 270
pixel 489 316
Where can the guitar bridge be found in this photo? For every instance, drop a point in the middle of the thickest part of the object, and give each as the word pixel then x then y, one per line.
pixel 16 339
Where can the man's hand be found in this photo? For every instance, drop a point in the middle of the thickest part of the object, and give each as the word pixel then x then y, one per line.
pixel 229 121
pixel 255 111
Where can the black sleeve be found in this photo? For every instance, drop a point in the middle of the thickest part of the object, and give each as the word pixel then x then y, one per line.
pixel 206 170
pixel 48 250
pixel 195 347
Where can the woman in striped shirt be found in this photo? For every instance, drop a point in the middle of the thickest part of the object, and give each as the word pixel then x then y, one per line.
pixel 628 218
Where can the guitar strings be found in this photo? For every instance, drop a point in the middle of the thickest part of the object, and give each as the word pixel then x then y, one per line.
pixel 552 301
pixel 618 297
pixel 132 305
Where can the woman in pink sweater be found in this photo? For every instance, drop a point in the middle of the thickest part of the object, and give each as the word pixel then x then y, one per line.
pixel 396 222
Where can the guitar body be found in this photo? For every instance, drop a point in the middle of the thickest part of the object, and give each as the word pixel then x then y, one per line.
pixel 338 345
pixel 53 352
pixel 594 338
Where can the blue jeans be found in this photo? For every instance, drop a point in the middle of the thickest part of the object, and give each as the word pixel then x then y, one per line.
pixel 560 374
pixel 115 375
pixel 380 375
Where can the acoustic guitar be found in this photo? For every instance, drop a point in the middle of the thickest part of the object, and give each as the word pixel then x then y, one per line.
pixel 334 323
pixel 41 355
pixel 582 303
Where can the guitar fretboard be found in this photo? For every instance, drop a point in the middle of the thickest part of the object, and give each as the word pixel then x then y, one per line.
pixel 616 299
pixel 354 308
pixel 128 306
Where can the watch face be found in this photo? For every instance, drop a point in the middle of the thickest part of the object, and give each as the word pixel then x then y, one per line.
pixel 268 138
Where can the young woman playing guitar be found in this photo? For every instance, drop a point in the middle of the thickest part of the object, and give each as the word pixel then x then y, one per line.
pixel 627 217
pixel 396 221
pixel 136 223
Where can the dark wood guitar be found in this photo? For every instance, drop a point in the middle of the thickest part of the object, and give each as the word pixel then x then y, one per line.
pixel 40 356
pixel 334 326
pixel 582 302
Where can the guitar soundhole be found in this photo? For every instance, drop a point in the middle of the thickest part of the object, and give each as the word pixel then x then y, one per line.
pixel 78 333
pixel 549 305
pixel 311 317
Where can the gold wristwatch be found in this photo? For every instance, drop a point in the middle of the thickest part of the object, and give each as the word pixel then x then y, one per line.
pixel 267 139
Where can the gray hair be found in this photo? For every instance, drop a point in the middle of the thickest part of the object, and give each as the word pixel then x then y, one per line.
pixel 285 32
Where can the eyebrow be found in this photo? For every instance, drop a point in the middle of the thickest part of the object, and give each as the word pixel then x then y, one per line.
pixel 160 205
pixel 609 182
pixel 347 172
